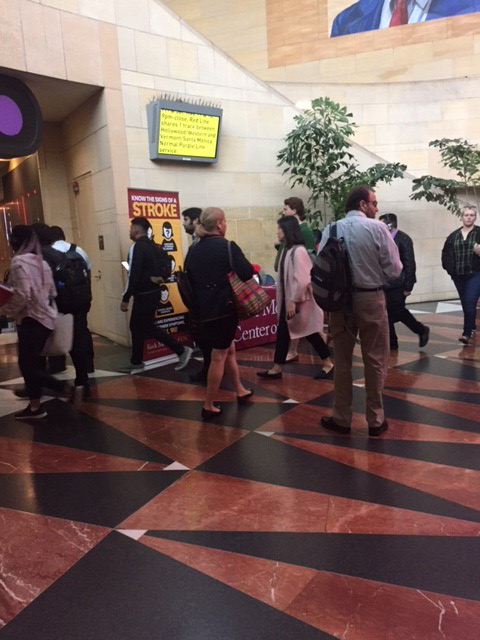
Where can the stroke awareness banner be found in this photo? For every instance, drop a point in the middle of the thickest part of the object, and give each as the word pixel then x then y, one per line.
pixel 162 208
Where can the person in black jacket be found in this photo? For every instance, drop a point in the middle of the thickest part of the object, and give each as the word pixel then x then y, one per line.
pixel 146 293
pixel 401 288
pixel 461 260
pixel 208 265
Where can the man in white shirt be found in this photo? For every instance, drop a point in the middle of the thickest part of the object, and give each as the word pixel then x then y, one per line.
pixel 367 15
pixel 374 262
pixel 62 245
pixel 82 352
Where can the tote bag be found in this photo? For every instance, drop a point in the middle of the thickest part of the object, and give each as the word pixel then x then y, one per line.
pixel 249 297
pixel 60 341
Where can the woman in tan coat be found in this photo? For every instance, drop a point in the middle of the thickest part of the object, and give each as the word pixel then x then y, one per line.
pixel 299 316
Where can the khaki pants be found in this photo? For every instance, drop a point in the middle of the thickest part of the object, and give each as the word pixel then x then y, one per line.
pixel 369 321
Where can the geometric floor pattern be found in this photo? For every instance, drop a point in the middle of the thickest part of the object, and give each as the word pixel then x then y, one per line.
pixel 129 518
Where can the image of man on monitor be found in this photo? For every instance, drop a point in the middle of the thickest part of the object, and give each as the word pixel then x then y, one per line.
pixel 368 15
pixel 168 243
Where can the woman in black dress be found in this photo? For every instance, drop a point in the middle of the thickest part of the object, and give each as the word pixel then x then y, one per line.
pixel 208 266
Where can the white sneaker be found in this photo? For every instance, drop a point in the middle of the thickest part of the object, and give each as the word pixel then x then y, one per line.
pixel 184 358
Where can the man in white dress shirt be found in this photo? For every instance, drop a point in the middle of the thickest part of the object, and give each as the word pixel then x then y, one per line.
pixel 367 15
pixel 374 262
pixel 83 354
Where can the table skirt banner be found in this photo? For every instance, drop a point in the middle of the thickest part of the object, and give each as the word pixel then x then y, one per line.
pixel 261 329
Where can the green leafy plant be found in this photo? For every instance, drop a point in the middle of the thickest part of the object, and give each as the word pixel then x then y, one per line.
pixel 318 156
pixel 461 157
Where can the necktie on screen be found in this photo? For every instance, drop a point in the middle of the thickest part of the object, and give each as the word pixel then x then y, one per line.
pixel 400 13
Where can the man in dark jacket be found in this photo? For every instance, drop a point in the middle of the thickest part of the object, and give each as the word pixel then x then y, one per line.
pixel 144 287
pixel 461 260
pixel 400 289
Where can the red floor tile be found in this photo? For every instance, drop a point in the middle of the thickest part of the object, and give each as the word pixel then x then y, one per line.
pixel 35 551
pixel 185 441
pixel 207 501
pixel 23 456
pixel 358 609
pixel 274 583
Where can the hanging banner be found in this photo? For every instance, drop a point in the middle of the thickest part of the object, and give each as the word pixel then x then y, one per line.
pixel 162 208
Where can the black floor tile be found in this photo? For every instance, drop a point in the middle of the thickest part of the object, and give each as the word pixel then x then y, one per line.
pixel 123 590
pixel 67 427
pixel 404 410
pixel 265 460
pixel 103 498
pixel 443 367
pixel 247 416
pixel 441 564
pixel 455 396
pixel 462 455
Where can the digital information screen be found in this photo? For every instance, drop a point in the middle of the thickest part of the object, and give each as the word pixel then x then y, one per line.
pixel 188 134
pixel 181 131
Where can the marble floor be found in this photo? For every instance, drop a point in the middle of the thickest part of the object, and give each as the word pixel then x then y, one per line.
pixel 130 519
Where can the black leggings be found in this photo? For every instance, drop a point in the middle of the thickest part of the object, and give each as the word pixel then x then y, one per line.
pixel 283 342
pixel 31 339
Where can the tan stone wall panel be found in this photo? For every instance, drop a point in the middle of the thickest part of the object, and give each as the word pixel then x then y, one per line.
pixel 12 52
pixel 44 46
pixel 82 49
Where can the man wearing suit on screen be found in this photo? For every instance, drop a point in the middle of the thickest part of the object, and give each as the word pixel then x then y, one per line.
pixel 367 15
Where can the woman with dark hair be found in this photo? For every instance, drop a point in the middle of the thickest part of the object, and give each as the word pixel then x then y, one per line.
pixel 299 316
pixel 34 311
pixel 208 264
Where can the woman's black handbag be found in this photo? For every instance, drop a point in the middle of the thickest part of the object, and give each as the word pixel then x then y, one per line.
pixel 186 290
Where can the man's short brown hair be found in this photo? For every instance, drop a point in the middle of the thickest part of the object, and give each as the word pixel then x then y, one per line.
pixel 356 195
pixel 296 204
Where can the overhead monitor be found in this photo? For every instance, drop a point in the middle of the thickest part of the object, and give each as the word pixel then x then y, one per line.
pixel 183 131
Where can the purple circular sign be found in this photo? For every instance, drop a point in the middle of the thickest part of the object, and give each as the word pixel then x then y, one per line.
pixel 11 119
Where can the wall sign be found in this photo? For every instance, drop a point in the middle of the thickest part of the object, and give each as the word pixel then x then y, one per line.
pixel 162 208
pixel 21 123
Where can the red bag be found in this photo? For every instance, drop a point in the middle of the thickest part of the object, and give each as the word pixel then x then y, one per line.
pixel 6 293
pixel 249 297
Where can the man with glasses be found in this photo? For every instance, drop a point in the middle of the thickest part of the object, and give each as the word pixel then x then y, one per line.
pixel 374 262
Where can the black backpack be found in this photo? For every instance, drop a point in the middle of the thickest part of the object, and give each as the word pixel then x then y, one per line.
pixel 163 262
pixel 331 276
pixel 72 279
pixel 186 290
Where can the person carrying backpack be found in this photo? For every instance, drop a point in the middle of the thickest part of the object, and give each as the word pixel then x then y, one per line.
pixel 374 262
pixel 71 273
pixel 34 312
pixel 149 266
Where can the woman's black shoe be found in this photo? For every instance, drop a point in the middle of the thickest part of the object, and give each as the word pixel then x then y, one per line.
pixel 269 376
pixel 206 413
pixel 324 375
pixel 243 399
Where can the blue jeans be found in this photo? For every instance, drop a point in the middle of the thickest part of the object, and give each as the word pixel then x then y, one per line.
pixel 468 288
